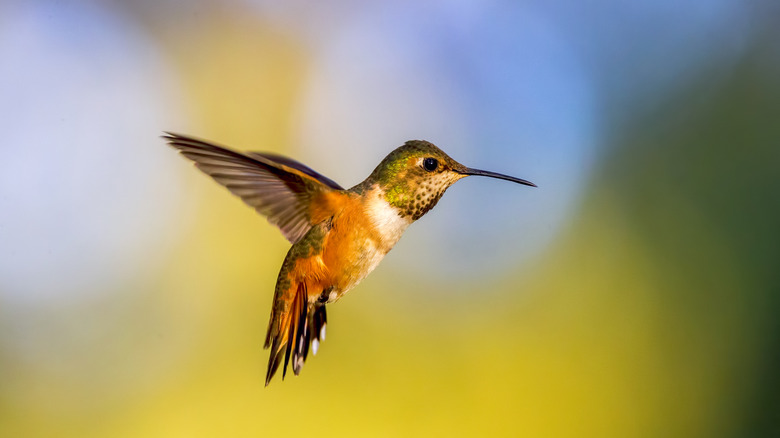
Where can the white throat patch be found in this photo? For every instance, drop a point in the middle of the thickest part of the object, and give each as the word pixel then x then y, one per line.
pixel 385 218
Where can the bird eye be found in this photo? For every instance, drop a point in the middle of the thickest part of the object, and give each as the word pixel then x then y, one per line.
pixel 430 164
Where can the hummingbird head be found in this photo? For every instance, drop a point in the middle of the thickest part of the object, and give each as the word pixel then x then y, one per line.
pixel 415 176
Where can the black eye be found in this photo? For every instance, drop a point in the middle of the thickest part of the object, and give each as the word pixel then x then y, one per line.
pixel 430 164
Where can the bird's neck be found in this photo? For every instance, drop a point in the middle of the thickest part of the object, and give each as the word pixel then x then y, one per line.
pixel 388 220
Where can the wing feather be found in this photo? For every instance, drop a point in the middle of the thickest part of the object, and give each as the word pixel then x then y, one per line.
pixel 279 188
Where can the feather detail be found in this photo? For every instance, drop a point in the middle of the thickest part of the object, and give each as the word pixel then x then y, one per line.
pixel 279 188
pixel 292 333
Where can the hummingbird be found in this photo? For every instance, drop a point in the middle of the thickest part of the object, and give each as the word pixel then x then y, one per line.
pixel 338 235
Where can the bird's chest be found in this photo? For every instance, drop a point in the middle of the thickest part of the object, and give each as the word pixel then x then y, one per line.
pixel 359 243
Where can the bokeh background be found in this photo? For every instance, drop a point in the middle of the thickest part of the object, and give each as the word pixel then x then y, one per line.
pixel 635 293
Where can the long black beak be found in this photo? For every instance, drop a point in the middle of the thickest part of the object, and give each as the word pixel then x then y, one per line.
pixel 470 171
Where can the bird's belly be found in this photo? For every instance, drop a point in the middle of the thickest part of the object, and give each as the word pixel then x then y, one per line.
pixel 365 257
pixel 359 239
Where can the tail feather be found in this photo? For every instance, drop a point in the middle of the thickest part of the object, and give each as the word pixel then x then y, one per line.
pixel 297 318
pixel 316 328
pixel 292 332
pixel 298 336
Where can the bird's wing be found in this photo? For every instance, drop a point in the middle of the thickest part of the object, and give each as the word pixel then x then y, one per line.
pixel 277 187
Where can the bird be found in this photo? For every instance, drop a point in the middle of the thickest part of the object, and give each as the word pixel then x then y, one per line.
pixel 338 235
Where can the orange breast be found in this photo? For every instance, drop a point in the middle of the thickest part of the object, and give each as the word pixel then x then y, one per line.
pixel 351 249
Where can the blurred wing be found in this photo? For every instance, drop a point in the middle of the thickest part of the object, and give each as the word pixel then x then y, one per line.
pixel 277 187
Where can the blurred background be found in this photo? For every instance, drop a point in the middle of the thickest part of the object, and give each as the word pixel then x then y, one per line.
pixel 635 293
